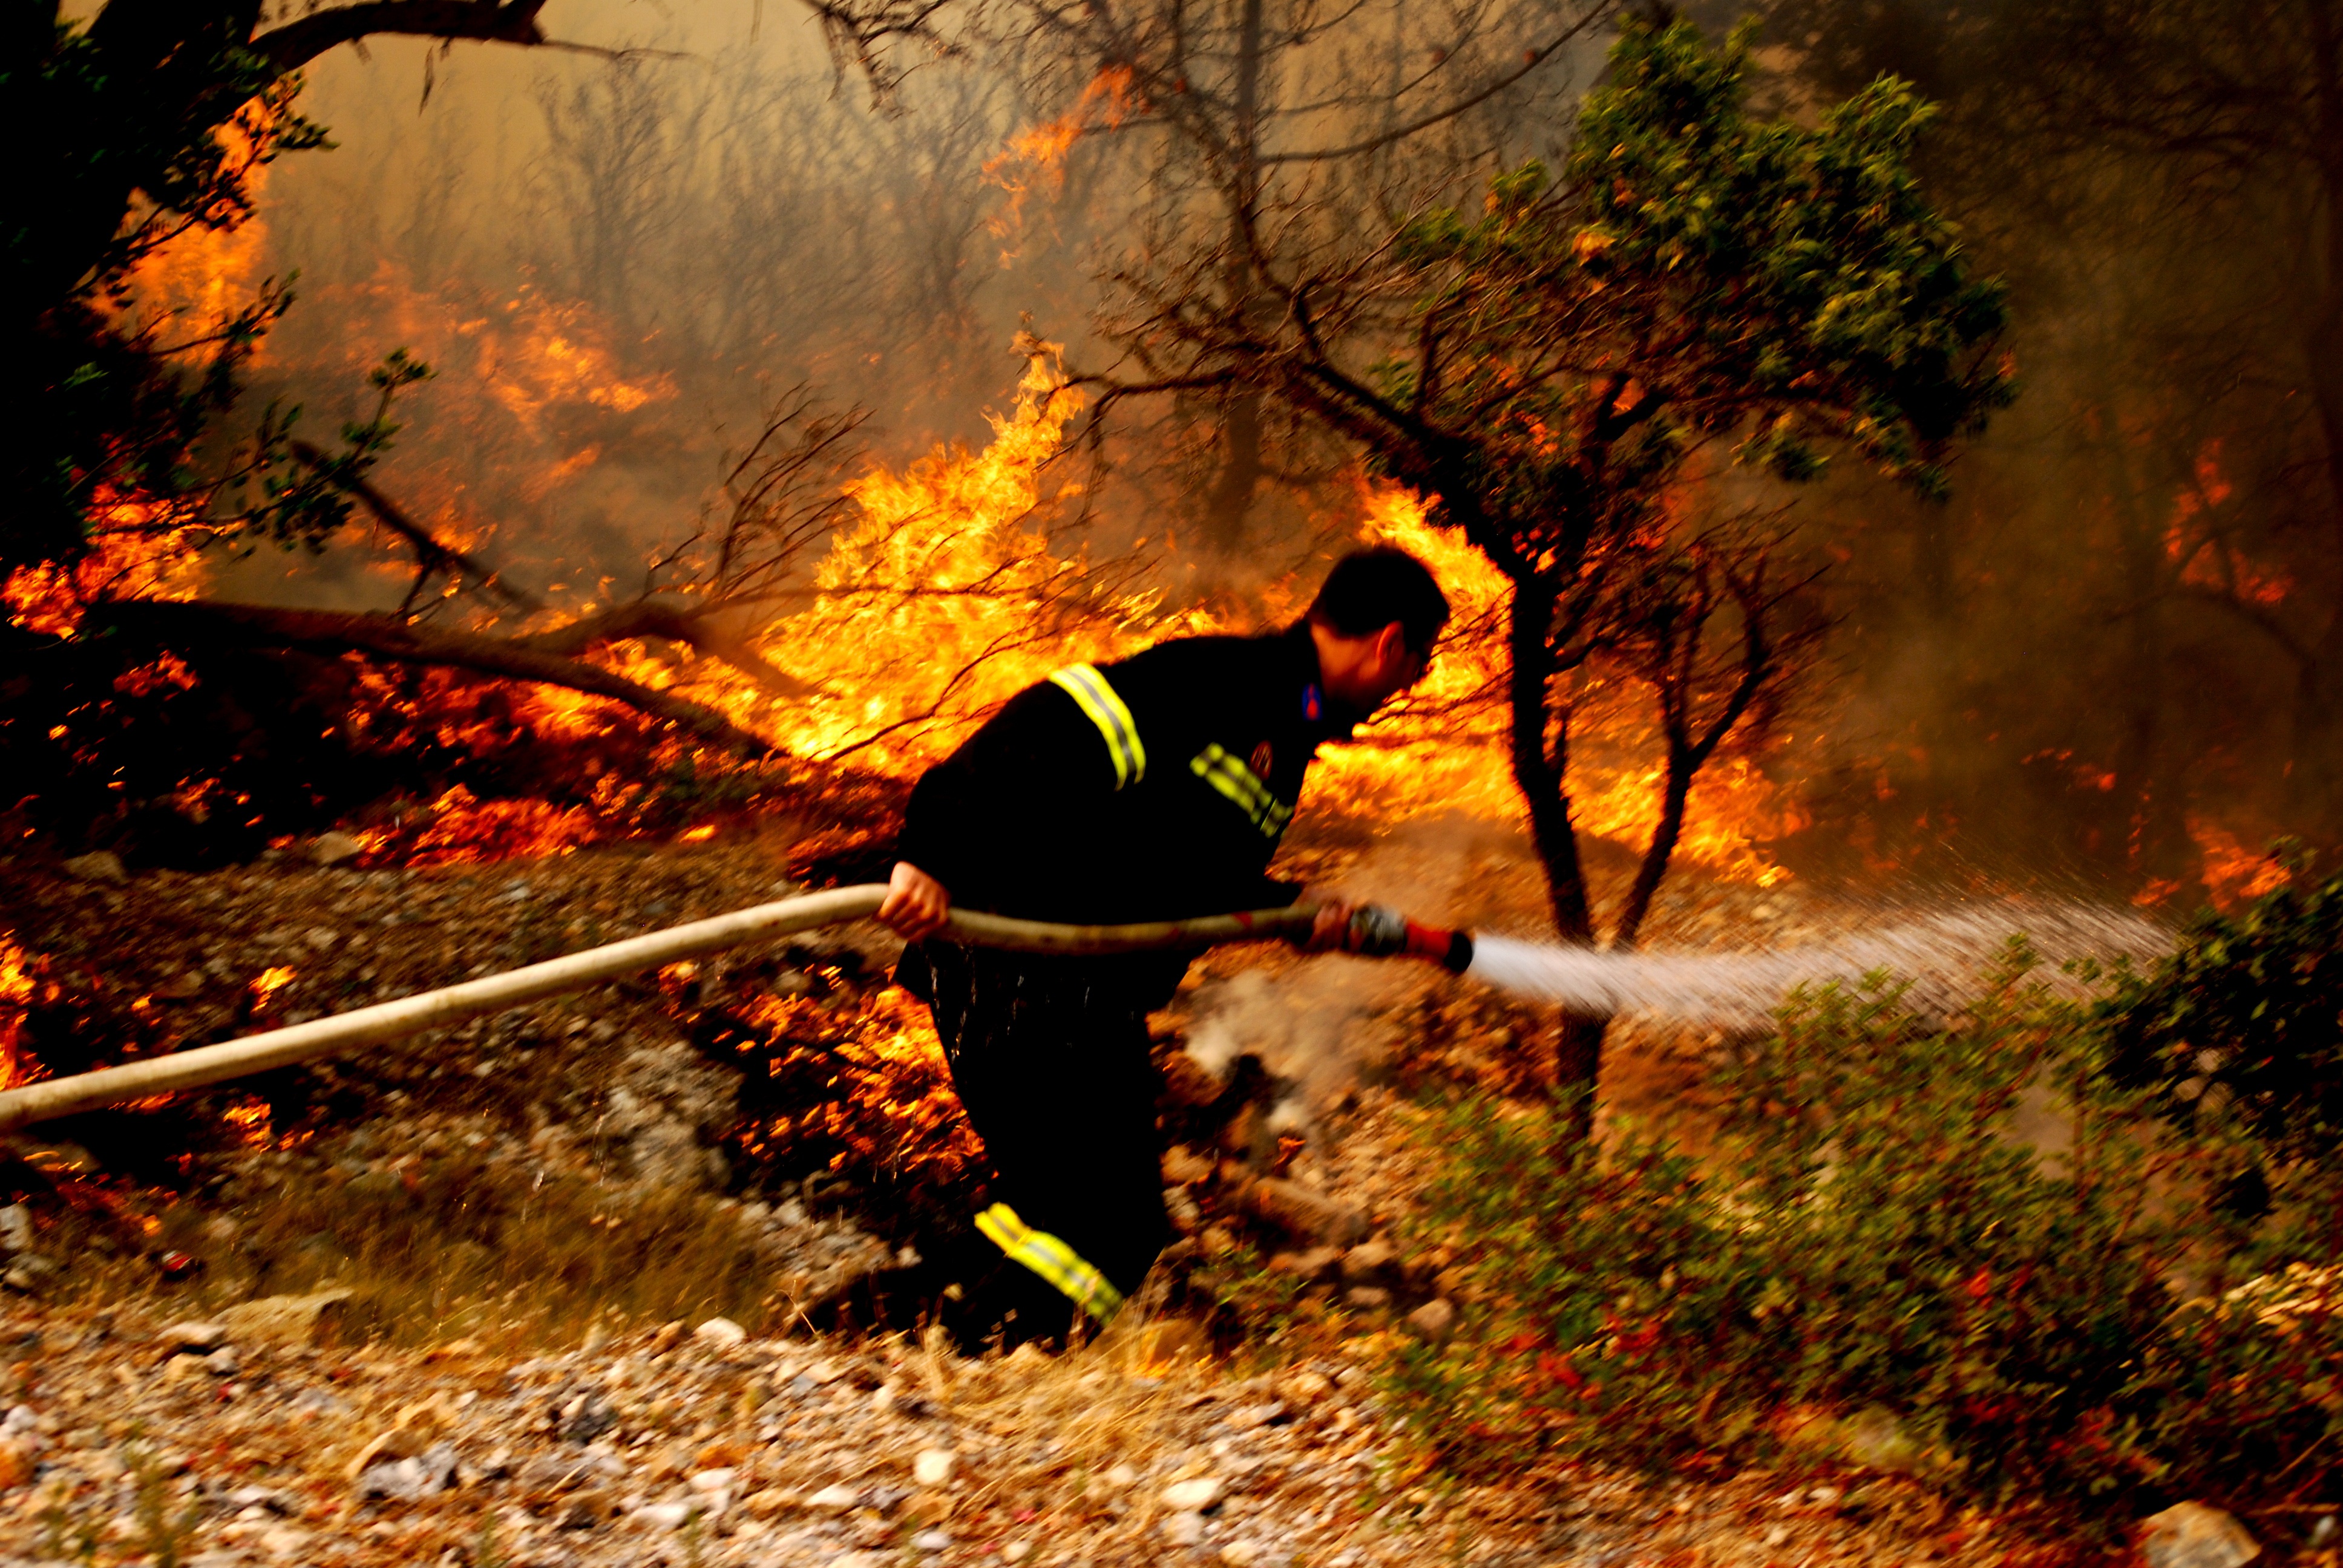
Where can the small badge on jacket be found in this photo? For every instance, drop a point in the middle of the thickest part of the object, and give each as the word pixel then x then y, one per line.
pixel 1262 759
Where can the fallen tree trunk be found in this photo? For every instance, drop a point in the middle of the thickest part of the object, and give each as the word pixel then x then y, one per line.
pixel 694 627
pixel 185 622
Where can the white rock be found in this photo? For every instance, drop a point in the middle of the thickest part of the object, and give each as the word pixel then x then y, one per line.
pixel 1184 1529
pixel 2193 1535
pixel 1433 1321
pixel 837 1499
pixel 721 1333
pixel 284 1541
pixel 932 1540
pixel 103 866
pixel 1193 1496
pixel 1122 1475
pixel 193 1336
pixel 1017 1551
pixel 1237 1553
pixel 333 849
pixel 933 1467
pixel 664 1515
pixel 714 1480
pixel 17 1228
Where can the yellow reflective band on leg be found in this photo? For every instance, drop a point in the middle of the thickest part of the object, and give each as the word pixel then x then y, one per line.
pixel 1052 1259
pixel 1232 778
pixel 1087 687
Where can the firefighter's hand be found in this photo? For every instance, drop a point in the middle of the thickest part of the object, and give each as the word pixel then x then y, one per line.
pixel 1330 930
pixel 916 903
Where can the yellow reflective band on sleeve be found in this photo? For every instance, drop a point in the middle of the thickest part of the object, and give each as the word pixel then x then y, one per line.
pixel 1052 1259
pixel 1087 687
pixel 1241 784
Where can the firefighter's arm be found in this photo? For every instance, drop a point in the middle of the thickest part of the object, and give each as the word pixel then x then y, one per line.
pixel 967 812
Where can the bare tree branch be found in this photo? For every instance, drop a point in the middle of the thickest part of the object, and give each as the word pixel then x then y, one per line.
pixel 184 622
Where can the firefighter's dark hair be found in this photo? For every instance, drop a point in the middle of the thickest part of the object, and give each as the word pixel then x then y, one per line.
pixel 1369 590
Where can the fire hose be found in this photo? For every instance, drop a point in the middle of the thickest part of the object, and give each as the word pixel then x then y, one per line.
pixel 1373 930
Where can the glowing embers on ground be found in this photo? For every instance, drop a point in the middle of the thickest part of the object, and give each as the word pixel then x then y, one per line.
pixel 852 1083
pixel 137 549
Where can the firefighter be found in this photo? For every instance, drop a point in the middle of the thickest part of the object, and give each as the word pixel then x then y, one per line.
pixel 1155 788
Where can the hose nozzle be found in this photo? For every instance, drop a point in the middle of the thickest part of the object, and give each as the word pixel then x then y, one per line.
pixel 1375 931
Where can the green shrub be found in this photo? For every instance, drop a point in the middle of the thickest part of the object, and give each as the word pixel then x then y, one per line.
pixel 2238 1041
pixel 1872 1230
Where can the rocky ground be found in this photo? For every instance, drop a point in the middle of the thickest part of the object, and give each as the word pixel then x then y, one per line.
pixel 437 1303
pixel 214 1444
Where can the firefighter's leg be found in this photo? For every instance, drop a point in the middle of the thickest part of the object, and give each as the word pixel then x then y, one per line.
pixel 1059 1086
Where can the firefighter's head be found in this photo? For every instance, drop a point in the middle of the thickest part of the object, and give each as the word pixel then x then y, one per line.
pixel 1374 620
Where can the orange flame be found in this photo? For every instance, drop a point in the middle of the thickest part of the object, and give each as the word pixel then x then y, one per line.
pixel 2235 876
pixel 267 984
pixel 16 986
pixel 1037 158
pixel 1444 748
pixel 139 549
pixel 944 598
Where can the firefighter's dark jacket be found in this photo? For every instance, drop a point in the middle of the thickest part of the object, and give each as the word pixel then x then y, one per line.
pixel 1154 788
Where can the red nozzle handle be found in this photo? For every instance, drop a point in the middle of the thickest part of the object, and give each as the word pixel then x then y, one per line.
pixel 1379 932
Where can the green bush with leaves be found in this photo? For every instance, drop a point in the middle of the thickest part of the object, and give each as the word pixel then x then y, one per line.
pixel 1971 1224
pixel 2237 1042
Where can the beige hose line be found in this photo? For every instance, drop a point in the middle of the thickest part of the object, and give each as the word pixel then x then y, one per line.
pixel 494 993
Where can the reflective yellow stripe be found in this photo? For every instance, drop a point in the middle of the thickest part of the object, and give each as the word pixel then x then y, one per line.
pixel 1052 1259
pixel 1232 778
pixel 1087 687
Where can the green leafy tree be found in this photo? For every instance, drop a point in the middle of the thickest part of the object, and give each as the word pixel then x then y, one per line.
pixel 144 123
pixel 139 124
pixel 1698 289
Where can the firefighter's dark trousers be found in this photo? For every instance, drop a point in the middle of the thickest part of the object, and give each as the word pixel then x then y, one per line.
pixel 1049 1058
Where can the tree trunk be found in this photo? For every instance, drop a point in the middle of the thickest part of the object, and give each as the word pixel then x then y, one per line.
pixel 1675 795
pixel 1540 769
pixel 2315 785
pixel 1230 501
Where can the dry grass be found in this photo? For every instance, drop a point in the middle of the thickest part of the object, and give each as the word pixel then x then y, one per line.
pixel 466 1249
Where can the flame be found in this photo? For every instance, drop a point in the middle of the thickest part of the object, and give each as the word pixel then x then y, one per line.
pixel 17 969
pixel 944 598
pixel 2235 876
pixel 204 275
pixel 862 1085
pixel 2204 553
pixel 553 354
pixel 138 548
pixel 1037 158
pixel 461 828
pixel 249 1118
pixel 267 984
pixel 1444 748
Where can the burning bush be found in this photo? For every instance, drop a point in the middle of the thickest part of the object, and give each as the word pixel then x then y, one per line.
pixel 1963 1250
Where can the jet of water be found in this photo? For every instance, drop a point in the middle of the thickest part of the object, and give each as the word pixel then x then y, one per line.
pixel 1940 955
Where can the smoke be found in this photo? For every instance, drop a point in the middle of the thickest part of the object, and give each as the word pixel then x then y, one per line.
pixel 1321 1025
